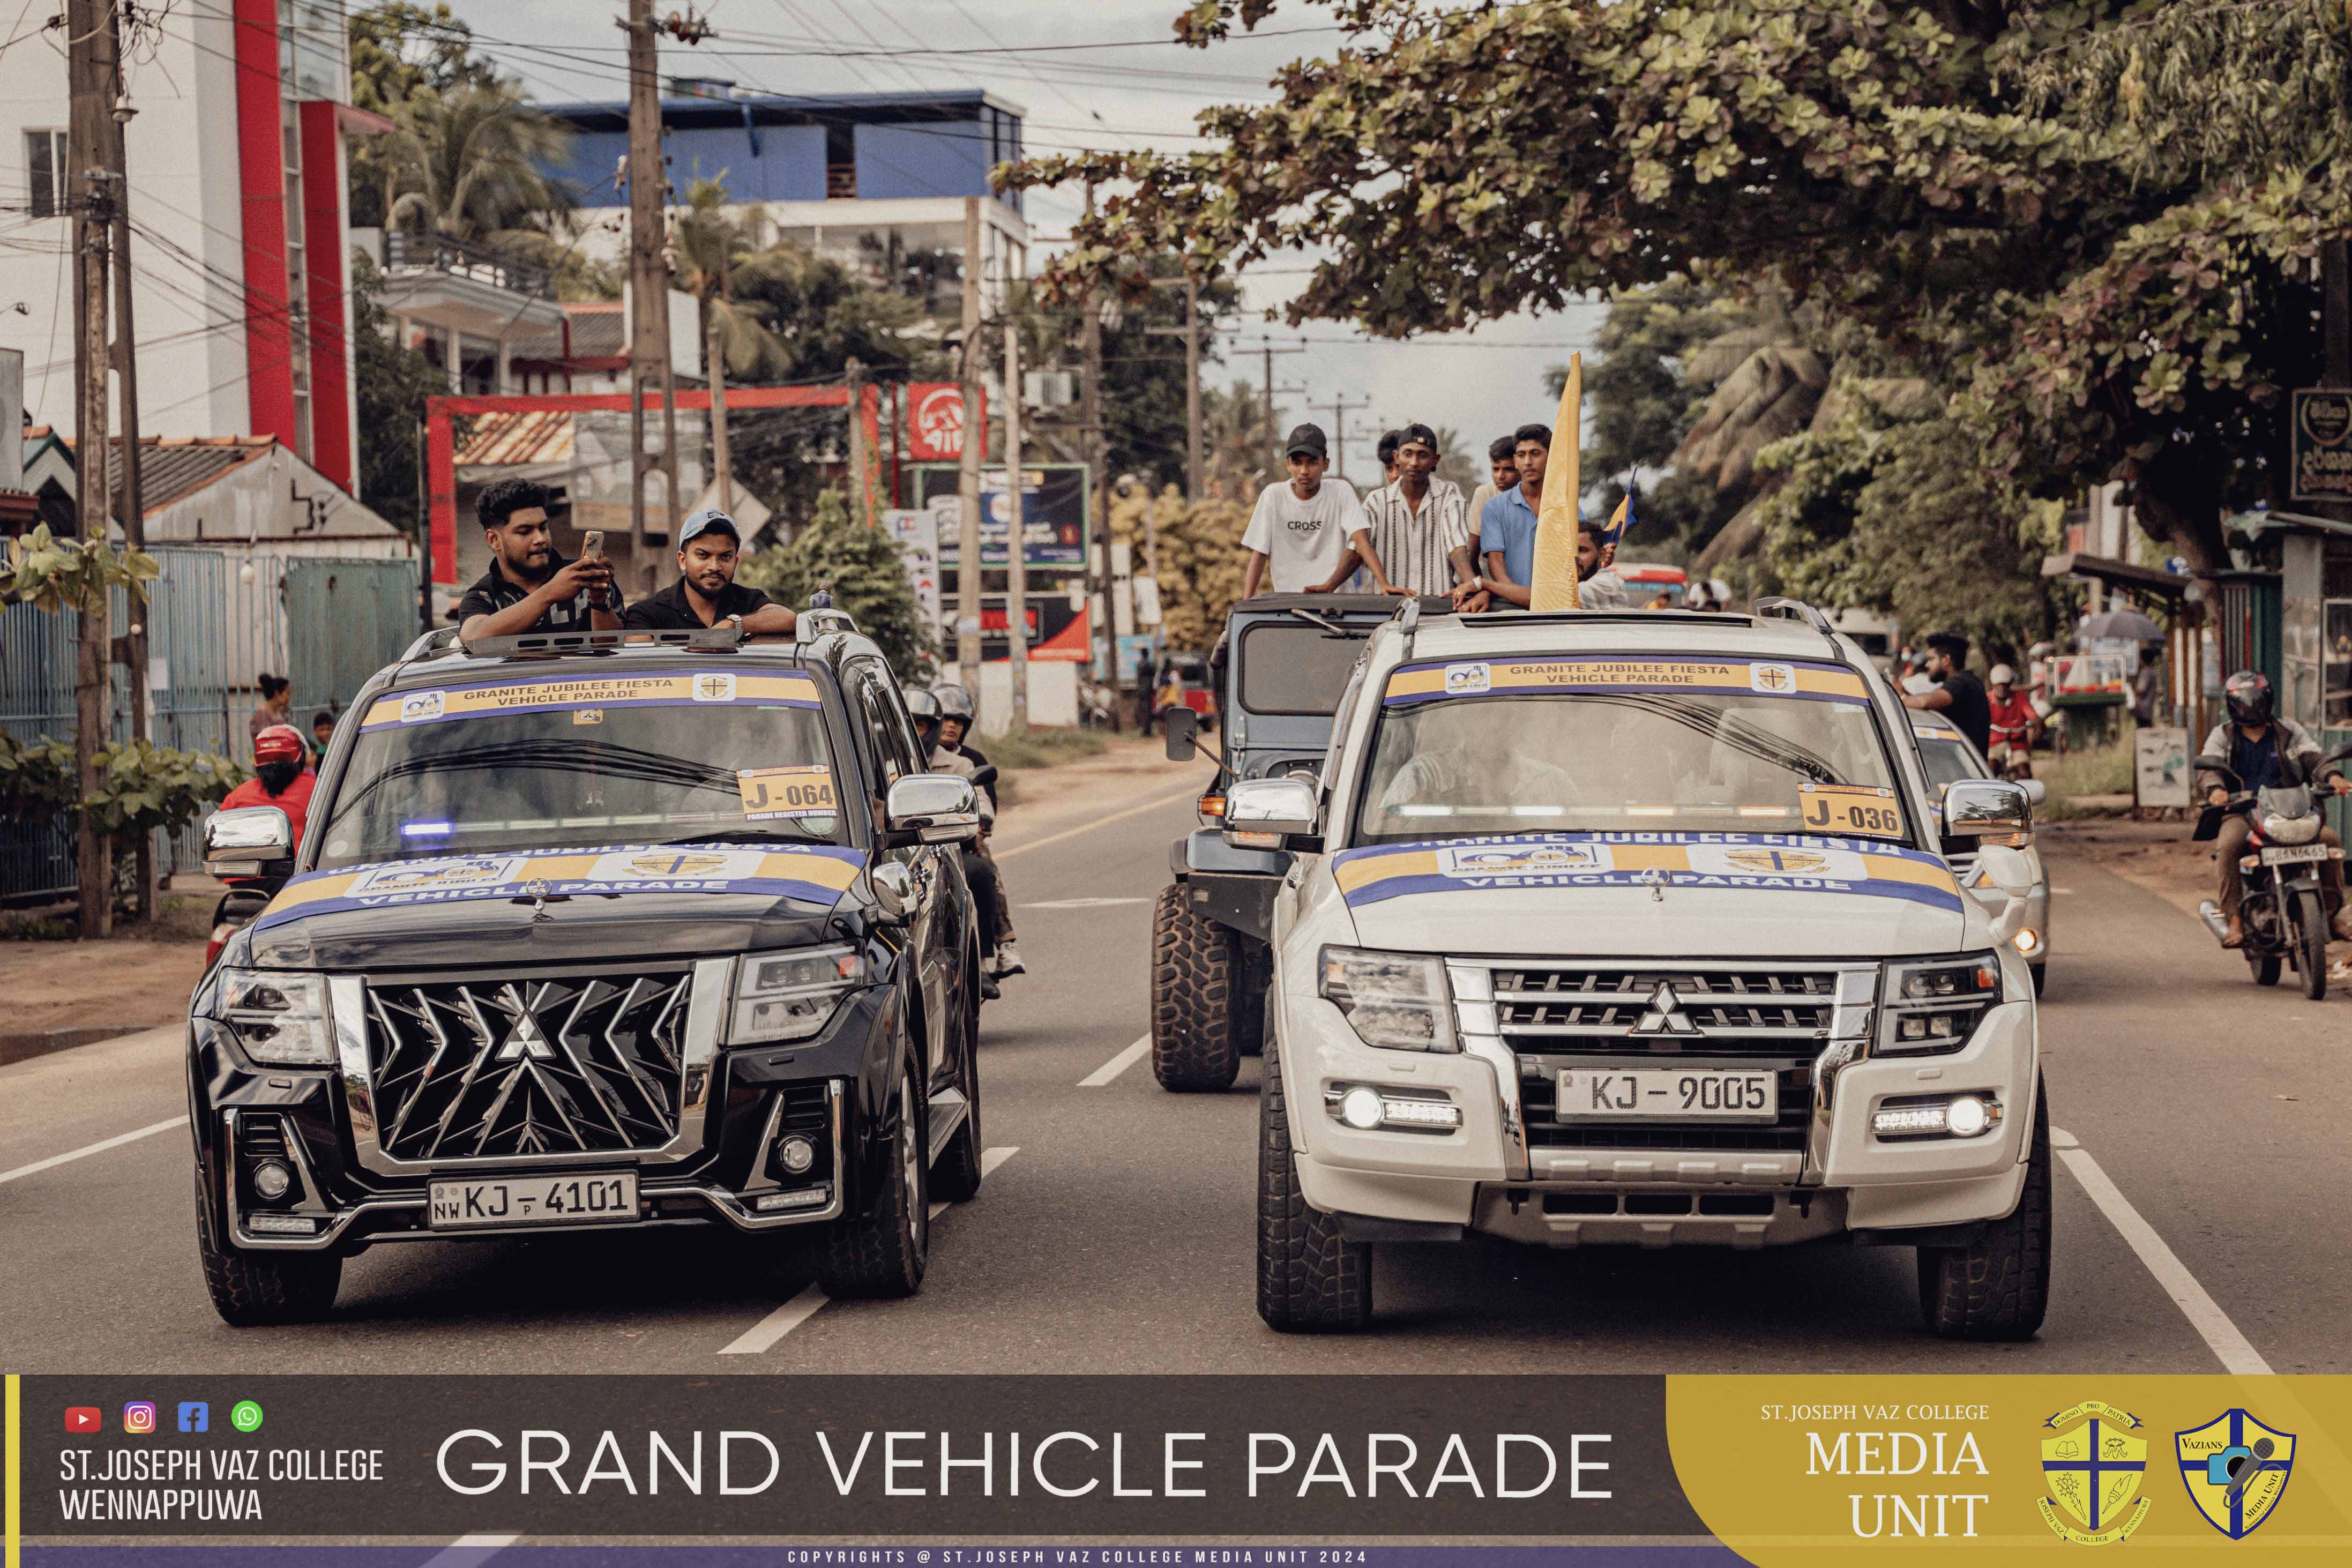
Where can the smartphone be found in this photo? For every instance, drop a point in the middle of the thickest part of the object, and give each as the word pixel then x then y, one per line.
pixel 592 547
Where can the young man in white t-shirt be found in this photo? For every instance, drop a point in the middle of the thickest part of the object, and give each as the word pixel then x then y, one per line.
pixel 1299 533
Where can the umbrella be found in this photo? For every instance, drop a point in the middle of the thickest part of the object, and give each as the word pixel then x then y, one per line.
pixel 2128 625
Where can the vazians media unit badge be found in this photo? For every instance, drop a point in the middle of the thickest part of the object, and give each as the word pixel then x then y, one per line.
pixel 2235 1469
pixel 2092 1467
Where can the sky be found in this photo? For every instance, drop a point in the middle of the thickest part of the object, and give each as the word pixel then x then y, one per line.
pixel 1145 94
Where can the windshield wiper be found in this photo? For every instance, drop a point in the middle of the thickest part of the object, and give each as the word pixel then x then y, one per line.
pixel 1330 628
pixel 755 831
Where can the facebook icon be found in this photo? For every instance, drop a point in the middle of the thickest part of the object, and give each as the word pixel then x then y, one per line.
pixel 194 1416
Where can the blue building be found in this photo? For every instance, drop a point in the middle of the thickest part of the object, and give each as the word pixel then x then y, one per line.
pixel 872 179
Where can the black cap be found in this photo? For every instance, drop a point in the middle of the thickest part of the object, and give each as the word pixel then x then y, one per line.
pixel 1307 439
pixel 1421 433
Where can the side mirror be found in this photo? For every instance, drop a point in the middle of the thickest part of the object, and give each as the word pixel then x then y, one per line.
pixel 2212 761
pixel 983 776
pixel 1988 808
pixel 894 890
pixel 1183 728
pixel 931 808
pixel 251 841
pixel 1261 812
pixel 2036 792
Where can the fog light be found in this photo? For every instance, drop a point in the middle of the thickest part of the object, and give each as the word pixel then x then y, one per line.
pixel 2028 940
pixel 1908 1121
pixel 1966 1117
pixel 807 1198
pixel 1421 1113
pixel 280 1224
pixel 272 1180
pixel 796 1154
pixel 1360 1107
pixel 1963 1116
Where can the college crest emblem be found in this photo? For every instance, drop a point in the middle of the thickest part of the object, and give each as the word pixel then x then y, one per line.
pixel 686 865
pixel 714 686
pixel 1773 680
pixel 2092 1463
pixel 1775 862
pixel 2235 1468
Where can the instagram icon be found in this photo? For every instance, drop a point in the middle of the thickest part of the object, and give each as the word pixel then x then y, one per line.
pixel 138 1415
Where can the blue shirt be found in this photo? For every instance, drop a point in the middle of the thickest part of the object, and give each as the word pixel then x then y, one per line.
pixel 1508 524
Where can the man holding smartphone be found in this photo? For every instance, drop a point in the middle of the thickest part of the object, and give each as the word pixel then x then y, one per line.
pixel 530 587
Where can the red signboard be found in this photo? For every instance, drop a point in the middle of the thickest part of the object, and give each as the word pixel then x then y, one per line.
pixel 935 421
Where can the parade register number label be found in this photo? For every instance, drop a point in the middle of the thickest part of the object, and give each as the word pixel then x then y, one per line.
pixel 1850 808
pixel 534 1200
pixel 1616 1094
pixel 770 792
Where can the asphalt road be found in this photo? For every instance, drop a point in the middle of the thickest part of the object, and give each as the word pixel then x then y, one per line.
pixel 2204 1215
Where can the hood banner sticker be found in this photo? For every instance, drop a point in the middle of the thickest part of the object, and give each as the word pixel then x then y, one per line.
pixel 815 873
pixel 1766 862
pixel 1536 674
pixel 554 693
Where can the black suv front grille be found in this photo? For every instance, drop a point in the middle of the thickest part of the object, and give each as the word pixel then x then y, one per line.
pixel 509 1068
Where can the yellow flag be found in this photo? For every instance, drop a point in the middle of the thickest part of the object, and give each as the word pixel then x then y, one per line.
pixel 1554 587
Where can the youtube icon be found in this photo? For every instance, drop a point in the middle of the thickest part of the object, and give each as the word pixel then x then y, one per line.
pixel 84 1419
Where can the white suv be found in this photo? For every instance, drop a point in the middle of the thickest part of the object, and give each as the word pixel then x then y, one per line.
pixel 1638 929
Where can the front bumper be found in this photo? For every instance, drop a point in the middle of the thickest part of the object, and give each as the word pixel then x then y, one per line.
pixel 1489 1175
pixel 826 1089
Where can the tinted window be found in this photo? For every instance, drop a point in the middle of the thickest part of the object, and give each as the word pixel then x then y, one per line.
pixel 1295 667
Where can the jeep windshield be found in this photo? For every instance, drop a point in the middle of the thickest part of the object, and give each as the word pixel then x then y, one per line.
pixel 1544 744
pixel 1298 666
pixel 522 762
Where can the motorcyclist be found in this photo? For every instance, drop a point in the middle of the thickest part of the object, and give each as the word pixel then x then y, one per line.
pixel 280 779
pixel 956 719
pixel 2014 725
pixel 978 867
pixel 2266 752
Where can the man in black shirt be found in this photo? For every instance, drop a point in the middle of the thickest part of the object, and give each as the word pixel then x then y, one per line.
pixel 1959 696
pixel 706 592
pixel 530 587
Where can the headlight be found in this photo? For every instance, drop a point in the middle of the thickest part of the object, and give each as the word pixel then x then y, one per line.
pixel 1933 1005
pixel 2290 829
pixel 1395 1000
pixel 277 1018
pixel 789 995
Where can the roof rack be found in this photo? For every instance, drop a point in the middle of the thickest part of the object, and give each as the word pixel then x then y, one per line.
pixel 438 640
pixel 821 618
pixel 1408 619
pixel 1787 609
pixel 549 645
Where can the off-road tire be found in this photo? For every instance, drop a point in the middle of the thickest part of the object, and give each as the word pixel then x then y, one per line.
pixel 2266 967
pixel 2311 917
pixel 883 1251
pixel 254 1289
pixel 1196 973
pixel 956 1176
pixel 1999 1287
pixel 1310 1279
pixel 1257 977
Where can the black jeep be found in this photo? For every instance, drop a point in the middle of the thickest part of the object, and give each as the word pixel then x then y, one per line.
pixel 1278 674
pixel 595 929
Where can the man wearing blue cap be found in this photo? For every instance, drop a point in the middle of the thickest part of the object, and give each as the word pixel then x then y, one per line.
pixel 706 592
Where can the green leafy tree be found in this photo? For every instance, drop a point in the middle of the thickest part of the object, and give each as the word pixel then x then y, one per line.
pixel 861 568
pixel 1201 558
pixel 392 383
pixel 710 246
pixel 397 50
pixel 469 162
pixel 68 574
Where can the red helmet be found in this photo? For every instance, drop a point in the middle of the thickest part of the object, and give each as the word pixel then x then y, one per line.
pixel 279 743
pixel 2248 693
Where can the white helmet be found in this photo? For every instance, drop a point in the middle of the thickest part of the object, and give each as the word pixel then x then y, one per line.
pixel 2001 675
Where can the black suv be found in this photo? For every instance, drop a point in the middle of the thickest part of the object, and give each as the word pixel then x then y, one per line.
pixel 1280 672
pixel 595 929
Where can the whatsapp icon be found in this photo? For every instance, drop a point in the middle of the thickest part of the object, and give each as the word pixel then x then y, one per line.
pixel 245 1416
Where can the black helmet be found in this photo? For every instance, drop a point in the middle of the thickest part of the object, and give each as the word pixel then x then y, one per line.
pixel 954 702
pixel 2248 693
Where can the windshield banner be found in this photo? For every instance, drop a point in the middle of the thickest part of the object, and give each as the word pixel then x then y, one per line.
pixel 554 693
pixel 1772 862
pixel 815 873
pixel 1411 683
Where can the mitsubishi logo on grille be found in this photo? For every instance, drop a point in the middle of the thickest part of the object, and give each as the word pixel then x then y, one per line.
pixel 1665 1014
pixel 526 1041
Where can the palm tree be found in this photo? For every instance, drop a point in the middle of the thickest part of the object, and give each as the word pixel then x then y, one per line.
pixel 467 164
pixel 708 246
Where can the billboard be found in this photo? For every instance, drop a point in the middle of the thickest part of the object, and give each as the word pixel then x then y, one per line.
pixel 935 421
pixel 1054 514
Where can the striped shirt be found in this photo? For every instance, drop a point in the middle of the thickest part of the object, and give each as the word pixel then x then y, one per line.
pixel 1414 546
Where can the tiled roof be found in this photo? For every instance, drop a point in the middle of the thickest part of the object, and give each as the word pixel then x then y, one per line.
pixel 173 467
pixel 499 439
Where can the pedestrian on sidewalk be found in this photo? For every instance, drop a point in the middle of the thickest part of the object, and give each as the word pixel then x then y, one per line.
pixel 1417 524
pixel 1301 528
pixel 276 701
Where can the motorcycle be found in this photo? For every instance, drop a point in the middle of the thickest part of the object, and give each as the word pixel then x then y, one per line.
pixel 2283 912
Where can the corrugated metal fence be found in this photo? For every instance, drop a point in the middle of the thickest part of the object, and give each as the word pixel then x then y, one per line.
pixel 213 628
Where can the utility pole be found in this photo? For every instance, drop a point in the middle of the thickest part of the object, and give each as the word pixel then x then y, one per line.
pixel 715 351
pixel 1017 495
pixel 1274 426
pixel 855 374
pixel 975 438
pixel 1190 332
pixel 92 190
pixel 649 284
pixel 131 503
pixel 1339 433
pixel 1091 445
